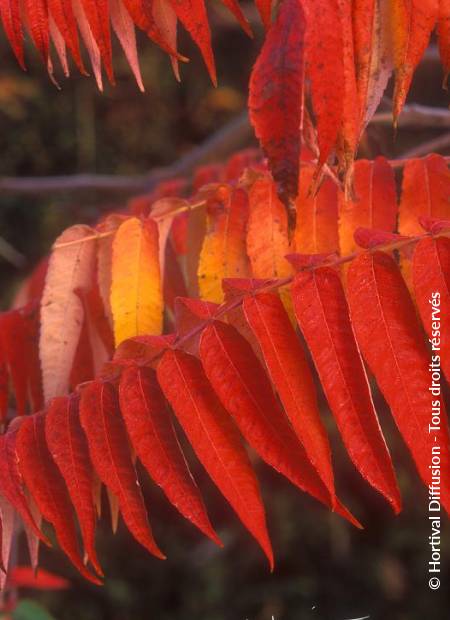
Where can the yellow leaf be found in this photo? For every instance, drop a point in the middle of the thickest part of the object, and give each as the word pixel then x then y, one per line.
pixel 136 293
pixel 224 252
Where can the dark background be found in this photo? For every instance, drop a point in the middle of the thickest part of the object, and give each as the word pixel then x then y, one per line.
pixel 325 570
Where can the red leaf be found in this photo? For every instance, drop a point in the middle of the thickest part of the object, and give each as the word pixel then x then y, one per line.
pixel 369 238
pixel 433 225
pixel 350 130
pixel 83 364
pixel 100 336
pixel 373 58
pixel 10 14
pixel 30 319
pixel 276 97
pixel 322 313
pixel 390 339
pixel 179 232
pixel 47 487
pixel 206 174
pixel 240 161
pixel 62 13
pixel 234 7
pixel 141 13
pixel 8 530
pixel 33 542
pixel 325 70
pixel 174 283
pixel 26 577
pixel 431 275
pixel 89 42
pixel 4 387
pixel 110 454
pixel 36 282
pixel 13 344
pixel 69 450
pixel 97 15
pixel 153 437
pixel 192 14
pixel 265 11
pixel 239 380
pixel 214 439
pixel 37 21
pixel 11 482
pixel 291 375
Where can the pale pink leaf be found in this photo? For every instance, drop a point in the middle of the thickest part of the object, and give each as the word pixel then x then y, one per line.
pixel 71 267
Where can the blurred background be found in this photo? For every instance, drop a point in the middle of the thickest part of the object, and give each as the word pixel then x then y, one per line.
pixel 325 569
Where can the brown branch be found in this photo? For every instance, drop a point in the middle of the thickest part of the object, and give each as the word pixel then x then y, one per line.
pixel 416 115
pixel 220 145
pixel 430 146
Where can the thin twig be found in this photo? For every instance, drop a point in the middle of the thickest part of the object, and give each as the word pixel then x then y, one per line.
pixel 101 235
pixel 11 255
pixel 415 115
pixel 223 143
pixel 430 146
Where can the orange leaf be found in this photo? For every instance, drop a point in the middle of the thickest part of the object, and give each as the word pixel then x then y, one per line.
pixel 425 192
pixel 224 253
pixel 267 236
pixel 136 295
pixel 316 230
pixel 411 23
pixel 374 205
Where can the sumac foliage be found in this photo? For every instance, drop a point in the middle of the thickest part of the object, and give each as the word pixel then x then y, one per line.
pixel 205 300
pixel 230 366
